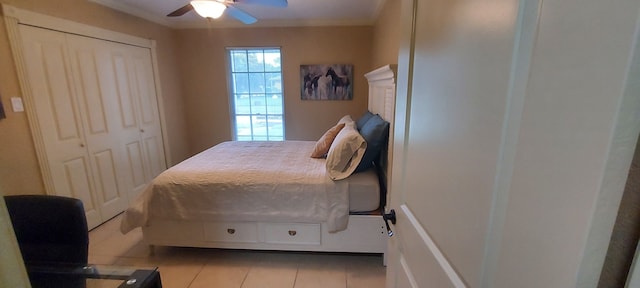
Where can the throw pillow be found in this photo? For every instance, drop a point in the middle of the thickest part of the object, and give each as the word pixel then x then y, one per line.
pixel 376 133
pixel 367 115
pixel 323 145
pixel 345 153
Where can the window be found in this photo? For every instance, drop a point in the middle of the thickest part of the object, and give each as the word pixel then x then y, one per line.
pixel 256 94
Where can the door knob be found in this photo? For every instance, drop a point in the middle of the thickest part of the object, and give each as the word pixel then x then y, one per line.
pixel 81 144
pixel 391 216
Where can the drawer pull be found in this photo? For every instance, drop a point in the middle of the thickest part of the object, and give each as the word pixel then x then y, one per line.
pixel 292 232
pixel 231 231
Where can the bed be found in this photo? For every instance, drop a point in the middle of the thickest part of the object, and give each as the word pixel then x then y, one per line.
pixel 272 195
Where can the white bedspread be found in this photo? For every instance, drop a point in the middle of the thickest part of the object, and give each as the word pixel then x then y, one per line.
pixel 245 181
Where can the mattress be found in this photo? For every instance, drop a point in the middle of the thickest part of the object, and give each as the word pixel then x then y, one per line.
pixel 364 191
pixel 254 181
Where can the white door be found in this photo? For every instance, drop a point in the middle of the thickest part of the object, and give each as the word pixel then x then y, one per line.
pixel 449 116
pixel 52 85
pixel 149 118
pixel 96 106
pixel 515 126
pixel 100 111
pixel 140 132
pixel 120 75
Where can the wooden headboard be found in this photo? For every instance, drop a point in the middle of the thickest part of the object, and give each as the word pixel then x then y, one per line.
pixel 382 101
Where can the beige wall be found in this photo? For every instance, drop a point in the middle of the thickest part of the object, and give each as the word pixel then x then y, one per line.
pixel 203 54
pixel 203 68
pixel 386 35
pixel 19 170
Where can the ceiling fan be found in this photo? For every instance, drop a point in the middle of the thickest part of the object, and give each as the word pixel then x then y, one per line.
pixel 214 8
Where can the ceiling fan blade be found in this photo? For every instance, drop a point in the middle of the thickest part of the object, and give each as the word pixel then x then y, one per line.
pixel 274 3
pixel 181 11
pixel 244 17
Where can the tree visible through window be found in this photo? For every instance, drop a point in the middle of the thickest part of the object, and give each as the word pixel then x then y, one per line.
pixel 256 96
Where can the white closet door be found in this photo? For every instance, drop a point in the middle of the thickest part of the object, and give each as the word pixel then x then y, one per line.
pixel 138 117
pixel 52 86
pixel 150 128
pixel 129 124
pixel 97 111
pixel 100 111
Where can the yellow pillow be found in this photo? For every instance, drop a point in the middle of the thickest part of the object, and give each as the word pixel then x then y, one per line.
pixel 323 145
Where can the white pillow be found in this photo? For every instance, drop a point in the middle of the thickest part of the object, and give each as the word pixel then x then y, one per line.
pixel 345 153
pixel 346 119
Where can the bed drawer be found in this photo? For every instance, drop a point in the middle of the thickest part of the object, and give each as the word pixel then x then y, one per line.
pixel 231 232
pixel 283 233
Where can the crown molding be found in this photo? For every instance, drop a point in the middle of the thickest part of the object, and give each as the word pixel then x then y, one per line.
pixel 134 11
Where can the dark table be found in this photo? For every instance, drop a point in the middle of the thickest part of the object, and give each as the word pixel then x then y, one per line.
pixel 56 275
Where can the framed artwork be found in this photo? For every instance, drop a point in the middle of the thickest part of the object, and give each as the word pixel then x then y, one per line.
pixel 326 82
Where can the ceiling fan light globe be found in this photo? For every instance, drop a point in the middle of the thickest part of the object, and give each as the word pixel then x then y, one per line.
pixel 209 9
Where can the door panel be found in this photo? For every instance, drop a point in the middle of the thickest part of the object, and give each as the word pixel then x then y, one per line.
pixel 108 186
pixel 454 72
pixel 134 156
pixel 151 132
pixel 461 76
pixel 55 96
pixel 146 91
pixel 433 267
pixel 50 78
pixel 93 105
pixel 130 126
pixel 512 139
pixel 127 107
pixel 153 149
pixel 405 277
pixel 99 108
pixel 77 178
pixel 60 91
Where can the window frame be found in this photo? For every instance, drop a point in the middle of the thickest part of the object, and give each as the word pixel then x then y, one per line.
pixel 232 93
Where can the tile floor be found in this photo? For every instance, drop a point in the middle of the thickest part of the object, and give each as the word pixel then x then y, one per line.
pixel 200 267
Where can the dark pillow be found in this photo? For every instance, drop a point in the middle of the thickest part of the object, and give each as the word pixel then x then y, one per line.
pixel 367 115
pixel 375 132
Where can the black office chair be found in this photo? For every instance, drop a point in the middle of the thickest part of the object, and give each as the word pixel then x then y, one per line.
pixel 49 228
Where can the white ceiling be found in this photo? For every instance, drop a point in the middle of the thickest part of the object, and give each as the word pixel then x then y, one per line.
pixel 297 13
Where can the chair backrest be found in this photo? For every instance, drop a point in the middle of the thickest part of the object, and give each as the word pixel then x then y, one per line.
pixel 49 228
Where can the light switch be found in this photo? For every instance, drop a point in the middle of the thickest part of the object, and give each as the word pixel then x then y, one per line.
pixel 16 103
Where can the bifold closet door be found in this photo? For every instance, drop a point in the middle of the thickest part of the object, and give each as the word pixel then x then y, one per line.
pixel 141 67
pixel 100 104
pixel 50 78
pixel 118 92
pixel 97 110
pixel 129 75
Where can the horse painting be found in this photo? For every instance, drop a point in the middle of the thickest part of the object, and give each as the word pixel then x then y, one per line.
pixel 339 82
pixel 311 84
pixel 326 82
